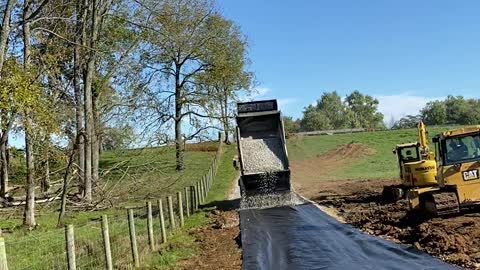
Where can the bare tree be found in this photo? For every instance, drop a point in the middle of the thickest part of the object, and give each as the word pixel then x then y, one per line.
pixel 5 121
pixel 29 214
pixel 184 41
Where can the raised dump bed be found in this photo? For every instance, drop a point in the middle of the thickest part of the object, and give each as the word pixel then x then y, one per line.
pixel 261 146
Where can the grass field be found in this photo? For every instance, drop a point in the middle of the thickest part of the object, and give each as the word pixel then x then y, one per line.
pixel 381 165
pixel 133 177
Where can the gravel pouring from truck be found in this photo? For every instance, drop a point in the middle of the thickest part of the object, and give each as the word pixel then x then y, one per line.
pixel 261 147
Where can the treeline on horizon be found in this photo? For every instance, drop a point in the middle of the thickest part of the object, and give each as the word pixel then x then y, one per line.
pixel 358 110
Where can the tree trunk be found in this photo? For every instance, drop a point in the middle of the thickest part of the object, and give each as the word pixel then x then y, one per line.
pixel 77 66
pixel 46 175
pixel 4 169
pixel 29 214
pixel 179 148
pixel 226 125
pixel 89 123
pixel 5 31
pixel 63 205
pixel 95 142
pixel 88 134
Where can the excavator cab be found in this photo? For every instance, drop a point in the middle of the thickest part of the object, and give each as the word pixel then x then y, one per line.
pixel 415 170
pixel 416 164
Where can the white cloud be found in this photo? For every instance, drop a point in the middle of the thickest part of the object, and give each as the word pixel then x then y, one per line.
pixel 398 106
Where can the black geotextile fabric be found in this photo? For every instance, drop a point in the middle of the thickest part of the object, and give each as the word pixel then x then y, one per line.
pixel 303 237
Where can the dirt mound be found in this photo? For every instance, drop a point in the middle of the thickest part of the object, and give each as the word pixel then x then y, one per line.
pixel 309 174
pixel 350 151
pixel 454 239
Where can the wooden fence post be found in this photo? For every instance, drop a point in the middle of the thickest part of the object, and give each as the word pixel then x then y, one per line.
pixel 210 175
pixel 106 243
pixel 70 245
pixel 205 187
pixel 187 203
pixel 192 199
pixel 171 213
pixel 3 255
pixel 151 240
pixel 202 187
pixel 199 194
pixel 133 238
pixel 196 199
pixel 162 221
pixel 180 208
pixel 203 192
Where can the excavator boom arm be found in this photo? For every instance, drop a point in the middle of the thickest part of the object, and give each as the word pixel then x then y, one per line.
pixel 422 135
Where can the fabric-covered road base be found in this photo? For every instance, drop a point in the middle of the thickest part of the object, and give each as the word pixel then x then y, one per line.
pixel 303 237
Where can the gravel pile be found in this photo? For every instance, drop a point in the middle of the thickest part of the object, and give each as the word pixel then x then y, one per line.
pixel 263 155
pixel 271 200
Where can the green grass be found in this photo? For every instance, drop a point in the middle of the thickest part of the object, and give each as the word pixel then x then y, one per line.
pixel 182 245
pixel 43 248
pixel 381 165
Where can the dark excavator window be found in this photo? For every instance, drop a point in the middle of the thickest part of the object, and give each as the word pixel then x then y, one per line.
pixel 459 149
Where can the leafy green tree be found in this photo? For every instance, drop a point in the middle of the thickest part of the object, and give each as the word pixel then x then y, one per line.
pixel 330 104
pixel 314 120
pixel 434 113
pixel 363 111
pixel 290 125
pixel 228 75
pixel 409 121
pixel 356 111
pixel 458 111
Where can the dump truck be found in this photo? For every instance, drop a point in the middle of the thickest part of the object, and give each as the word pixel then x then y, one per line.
pixel 262 152
pixel 458 161
pixel 416 164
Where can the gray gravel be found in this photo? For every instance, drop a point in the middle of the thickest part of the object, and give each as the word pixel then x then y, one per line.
pixel 271 200
pixel 263 155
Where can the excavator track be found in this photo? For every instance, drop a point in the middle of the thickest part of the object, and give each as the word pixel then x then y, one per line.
pixel 441 204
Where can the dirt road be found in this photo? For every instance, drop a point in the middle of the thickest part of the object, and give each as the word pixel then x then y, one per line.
pixel 455 239
pixel 219 242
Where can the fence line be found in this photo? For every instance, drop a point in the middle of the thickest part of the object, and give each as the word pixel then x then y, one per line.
pixel 93 249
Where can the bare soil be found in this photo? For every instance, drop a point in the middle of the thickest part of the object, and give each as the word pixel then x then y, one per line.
pixel 310 172
pixel 454 239
pixel 219 242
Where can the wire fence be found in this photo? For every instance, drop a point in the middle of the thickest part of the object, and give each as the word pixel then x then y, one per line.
pixel 116 242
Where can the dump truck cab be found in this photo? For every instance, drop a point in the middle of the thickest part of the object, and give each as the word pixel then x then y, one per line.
pixel 262 153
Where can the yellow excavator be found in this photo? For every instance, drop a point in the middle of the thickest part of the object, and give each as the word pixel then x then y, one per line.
pixel 417 167
pixel 458 159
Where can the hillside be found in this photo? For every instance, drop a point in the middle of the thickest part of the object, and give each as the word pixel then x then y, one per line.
pixel 378 163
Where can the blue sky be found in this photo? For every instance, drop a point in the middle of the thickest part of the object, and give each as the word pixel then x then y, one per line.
pixel 405 53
